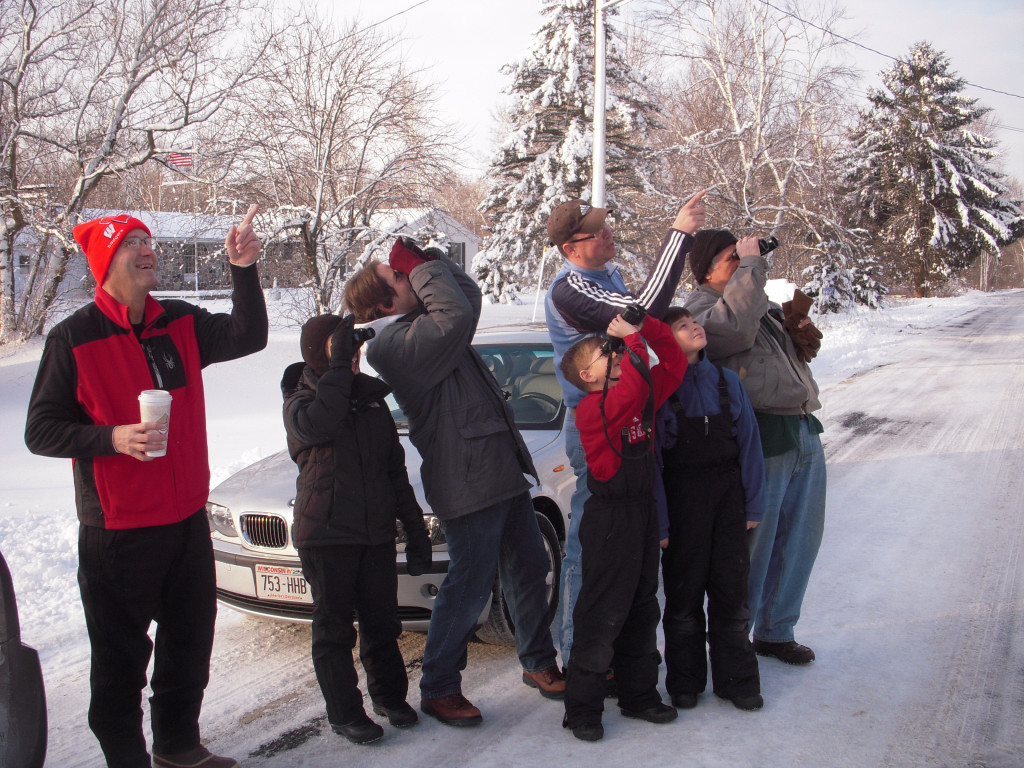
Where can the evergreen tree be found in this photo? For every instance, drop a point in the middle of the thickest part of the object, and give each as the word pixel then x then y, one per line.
pixel 829 280
pixel 547 158
pixel 842 276
pixel 921 180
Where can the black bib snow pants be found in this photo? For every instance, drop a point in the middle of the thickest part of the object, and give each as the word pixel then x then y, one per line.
pixel 615 619
pixel 707 554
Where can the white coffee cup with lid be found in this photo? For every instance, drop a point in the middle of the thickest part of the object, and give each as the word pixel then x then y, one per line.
pixel 155 405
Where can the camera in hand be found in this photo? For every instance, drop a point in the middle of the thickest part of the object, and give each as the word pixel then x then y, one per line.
pixel 767 244
pixel 359 335
pixel 634 314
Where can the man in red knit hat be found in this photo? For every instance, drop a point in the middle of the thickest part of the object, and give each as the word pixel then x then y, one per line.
pixel 144 548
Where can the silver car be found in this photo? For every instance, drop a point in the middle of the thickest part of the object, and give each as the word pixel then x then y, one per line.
pixel 258 568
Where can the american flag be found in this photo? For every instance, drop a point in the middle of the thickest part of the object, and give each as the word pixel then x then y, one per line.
pixel 180 159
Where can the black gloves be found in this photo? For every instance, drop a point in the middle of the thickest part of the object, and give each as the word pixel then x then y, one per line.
pixel 418 551
pixel 343 342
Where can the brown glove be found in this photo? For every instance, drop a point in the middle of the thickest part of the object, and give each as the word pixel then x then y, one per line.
pixel 806 338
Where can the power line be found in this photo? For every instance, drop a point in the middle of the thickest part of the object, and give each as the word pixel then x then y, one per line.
pixel 874 50
pixel 801 78
pixel 397 14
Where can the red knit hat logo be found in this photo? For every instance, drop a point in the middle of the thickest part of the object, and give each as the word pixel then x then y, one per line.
pixel 100 238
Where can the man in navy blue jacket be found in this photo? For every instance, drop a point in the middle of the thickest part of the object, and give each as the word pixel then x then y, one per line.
pixel 587 294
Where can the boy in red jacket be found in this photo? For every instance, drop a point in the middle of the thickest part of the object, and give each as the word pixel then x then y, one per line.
pixel 616 614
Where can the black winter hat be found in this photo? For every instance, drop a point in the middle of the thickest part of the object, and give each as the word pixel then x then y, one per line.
pixel 707 244
pixel 313 339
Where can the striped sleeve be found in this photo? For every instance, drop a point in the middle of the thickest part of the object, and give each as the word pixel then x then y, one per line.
pixel 589 307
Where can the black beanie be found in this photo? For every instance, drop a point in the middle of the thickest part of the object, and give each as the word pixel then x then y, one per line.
pixel 707 244
pixel 314 337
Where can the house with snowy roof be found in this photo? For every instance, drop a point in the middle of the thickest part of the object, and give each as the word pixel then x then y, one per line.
pixel 430 226
pixel 192 248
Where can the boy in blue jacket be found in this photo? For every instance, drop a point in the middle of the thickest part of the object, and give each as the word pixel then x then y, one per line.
pixel 713 472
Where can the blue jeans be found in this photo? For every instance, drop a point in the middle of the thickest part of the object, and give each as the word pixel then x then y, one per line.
pixel 572 574
pixel 500 539
pixel 783 547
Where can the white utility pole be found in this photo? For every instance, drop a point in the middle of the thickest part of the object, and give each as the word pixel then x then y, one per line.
pixel 597 185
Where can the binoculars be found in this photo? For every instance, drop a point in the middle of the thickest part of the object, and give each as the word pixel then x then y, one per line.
pixel 767 244
pixel 360 335
pixel 634 314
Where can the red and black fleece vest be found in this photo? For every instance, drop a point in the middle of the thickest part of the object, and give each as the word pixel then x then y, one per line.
pixel 91 372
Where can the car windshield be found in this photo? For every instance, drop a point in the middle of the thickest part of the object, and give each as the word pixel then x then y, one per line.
pixel 526 374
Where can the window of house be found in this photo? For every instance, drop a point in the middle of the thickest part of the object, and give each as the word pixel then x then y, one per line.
pixel 457 253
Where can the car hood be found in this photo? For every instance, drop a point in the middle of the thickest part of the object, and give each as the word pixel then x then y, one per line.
pixel 269 484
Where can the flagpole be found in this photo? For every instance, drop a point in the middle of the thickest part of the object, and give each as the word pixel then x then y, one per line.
pixel 597 183
pixel 195 219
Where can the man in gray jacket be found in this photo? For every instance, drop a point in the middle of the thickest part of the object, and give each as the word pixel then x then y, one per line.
pixel 747 333
pixel 474 459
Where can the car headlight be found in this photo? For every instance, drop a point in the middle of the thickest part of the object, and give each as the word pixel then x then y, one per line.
pixel 220 520
pixel 434 529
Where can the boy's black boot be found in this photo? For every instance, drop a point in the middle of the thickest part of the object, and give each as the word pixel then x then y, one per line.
pixel 362 730
pixel 402 716
pixel 684 700
pixel 586 731
pixel 750 703
pixel 658 714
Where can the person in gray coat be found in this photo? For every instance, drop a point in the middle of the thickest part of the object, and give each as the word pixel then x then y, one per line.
pixel 425 312
pixel 749 334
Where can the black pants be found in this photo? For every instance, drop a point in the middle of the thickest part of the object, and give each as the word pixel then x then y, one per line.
pixel 346 580
pixel 615 620
pixel 129 579
pixel 707 554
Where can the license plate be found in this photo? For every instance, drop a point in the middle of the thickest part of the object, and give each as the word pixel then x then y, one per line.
pixel 279 582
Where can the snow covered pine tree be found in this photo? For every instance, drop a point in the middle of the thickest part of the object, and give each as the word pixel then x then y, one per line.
pixel 921 180
pixel 547 158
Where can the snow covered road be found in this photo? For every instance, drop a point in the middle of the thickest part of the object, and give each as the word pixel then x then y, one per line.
pixel 916 608
pixel 917 604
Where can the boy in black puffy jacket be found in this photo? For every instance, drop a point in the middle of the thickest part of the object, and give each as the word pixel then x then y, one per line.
pixel 352 486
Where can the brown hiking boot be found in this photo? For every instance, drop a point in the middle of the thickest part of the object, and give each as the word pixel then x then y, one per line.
pixel 789 651
pixel 199 757
pixel 550 682
pixel 452 710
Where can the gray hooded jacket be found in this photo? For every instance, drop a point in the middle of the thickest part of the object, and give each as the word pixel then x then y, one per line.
pixel 473 455
pixel 745 334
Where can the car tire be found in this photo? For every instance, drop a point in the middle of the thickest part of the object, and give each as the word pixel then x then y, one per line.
pixel 499 628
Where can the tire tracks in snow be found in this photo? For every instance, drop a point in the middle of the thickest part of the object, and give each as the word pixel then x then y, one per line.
pixel 953 434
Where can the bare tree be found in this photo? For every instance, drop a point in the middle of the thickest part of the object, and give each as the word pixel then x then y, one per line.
pixel 113 85
pixel 754 110
pixel 461 197
pixel 344 131
pixel 37 58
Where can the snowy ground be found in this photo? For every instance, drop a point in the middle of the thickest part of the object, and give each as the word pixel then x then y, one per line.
pixel 915 609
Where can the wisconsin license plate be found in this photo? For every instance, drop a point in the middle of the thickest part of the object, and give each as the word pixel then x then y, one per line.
pixel 279 582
